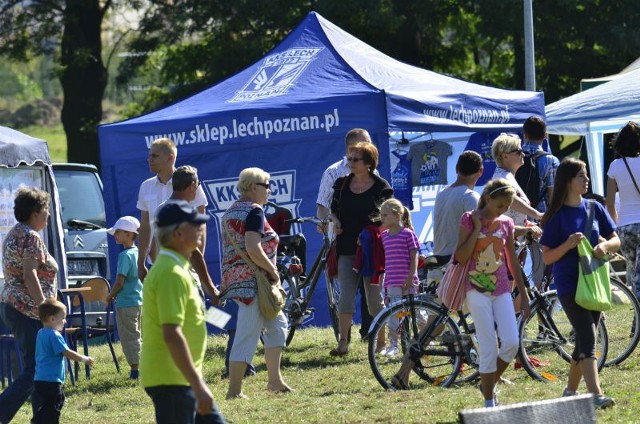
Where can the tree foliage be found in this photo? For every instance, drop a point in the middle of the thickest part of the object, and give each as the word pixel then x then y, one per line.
pixel 72 29
pixel 198 43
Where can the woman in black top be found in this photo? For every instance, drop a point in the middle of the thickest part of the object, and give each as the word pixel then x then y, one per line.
pixel 355 205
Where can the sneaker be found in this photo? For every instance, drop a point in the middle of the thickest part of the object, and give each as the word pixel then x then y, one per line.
pixel 495 394
pixel 566 393
pixel 391 351
pixel 603 402
pixel 134 374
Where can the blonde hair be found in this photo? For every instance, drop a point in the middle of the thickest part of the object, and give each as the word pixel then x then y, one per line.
pixel 250 176
pixel 504 143
pixel 167 145
pixel 396 207
pixel 495 189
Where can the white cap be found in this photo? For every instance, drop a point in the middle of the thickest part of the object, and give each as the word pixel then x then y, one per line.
pixel 126 223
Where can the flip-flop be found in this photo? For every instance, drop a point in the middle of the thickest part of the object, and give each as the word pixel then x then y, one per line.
pixel 398 384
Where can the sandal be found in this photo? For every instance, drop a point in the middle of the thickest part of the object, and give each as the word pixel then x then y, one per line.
pixel 340 352
pixel 398 384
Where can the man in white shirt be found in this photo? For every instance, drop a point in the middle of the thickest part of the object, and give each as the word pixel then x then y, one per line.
pixel 154 191
pixel 323 204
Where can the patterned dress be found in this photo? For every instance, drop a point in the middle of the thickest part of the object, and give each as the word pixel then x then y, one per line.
pixel 22 243
pixel 238 279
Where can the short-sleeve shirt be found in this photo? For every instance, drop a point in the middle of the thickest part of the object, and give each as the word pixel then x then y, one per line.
pixel 429 162
pixel 329 177
pixel 22 243
pixel 153 193
pixel 487 259
pixel 356 210
pixel 397 256
pixel 450 204
pixel 170 296
pixel 238 278
pixel 518 217
pixel 560 226
pixel 548 165
pixel 629 212
pixel 131 292
pixel 50 346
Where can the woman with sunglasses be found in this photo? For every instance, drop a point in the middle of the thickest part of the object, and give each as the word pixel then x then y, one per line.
pixel 249 246
pixel 509 156
pixel 355 205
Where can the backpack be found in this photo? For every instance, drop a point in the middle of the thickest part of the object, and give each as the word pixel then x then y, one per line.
pixel 528 177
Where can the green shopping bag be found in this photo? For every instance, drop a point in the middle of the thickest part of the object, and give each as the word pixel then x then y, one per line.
pixel 594 289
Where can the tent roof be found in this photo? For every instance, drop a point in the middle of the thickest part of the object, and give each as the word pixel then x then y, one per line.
pixel 338 65
pixel 17 148
pixel 614 100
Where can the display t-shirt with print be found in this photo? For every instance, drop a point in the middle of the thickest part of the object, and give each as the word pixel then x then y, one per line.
pixel 488 267
pixel 401 180
pixel 429 162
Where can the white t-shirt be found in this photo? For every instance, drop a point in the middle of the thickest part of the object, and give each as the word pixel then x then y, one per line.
pixel 153 193
pixel 518 218
pixel 629 211
pixel 329 177
pixel 450 204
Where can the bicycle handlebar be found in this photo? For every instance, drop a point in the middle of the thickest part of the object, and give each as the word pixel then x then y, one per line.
pixel 312 219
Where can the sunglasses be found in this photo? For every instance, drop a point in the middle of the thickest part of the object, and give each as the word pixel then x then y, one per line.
pixel 265 185
pixel 519 151
pixel 352 159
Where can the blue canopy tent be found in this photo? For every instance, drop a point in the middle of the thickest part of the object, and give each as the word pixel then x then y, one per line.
pixel 25 161
pixel 597 111
pixel 288 114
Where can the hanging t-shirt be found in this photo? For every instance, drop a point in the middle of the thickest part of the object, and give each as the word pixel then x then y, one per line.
pixel 401 179
pixel 480 143
pixel 429 162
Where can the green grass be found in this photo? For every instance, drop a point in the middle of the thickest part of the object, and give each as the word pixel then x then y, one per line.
pixel 55 138
pixel 327 390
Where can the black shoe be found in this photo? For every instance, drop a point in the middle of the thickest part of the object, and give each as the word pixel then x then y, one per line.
pixel 364 338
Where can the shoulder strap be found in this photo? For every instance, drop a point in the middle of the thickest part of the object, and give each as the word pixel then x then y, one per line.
pixel 240 252
pixel 631 174
pixel 591 207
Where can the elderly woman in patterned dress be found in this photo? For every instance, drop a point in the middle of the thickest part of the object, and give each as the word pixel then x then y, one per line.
pixel 244 226
pixel 29 279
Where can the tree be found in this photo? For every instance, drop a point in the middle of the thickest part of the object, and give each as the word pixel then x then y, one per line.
pixel 71 29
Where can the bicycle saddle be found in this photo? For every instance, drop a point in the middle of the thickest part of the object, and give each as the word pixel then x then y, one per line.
pixel 436 261
pixel 292 240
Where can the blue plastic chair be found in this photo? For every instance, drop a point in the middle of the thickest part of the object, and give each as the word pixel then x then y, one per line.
pixel 8 347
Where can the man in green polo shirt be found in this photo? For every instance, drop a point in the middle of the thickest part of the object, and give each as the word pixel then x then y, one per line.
pixel 174 335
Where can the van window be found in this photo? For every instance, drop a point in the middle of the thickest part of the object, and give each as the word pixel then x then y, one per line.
pixel 80 197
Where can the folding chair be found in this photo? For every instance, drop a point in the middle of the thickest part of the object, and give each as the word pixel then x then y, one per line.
pixel 8 345
pixel 96 297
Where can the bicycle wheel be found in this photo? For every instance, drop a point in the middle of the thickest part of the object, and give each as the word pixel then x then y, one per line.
pixel 292 308
pixel 622 323
pixel 333 297
pixel 547 340
pixel 441 356
pixel 471 360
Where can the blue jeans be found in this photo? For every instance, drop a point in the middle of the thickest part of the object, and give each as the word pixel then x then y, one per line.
pixel 177 404
pixel 25 330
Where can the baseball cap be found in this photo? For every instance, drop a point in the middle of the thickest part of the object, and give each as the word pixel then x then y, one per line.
pixel 174 213
pixel 126 223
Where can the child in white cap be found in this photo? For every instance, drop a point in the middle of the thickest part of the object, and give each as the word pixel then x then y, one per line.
pixel 127 289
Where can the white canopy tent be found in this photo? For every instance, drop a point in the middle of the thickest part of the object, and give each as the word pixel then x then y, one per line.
pixel 592 113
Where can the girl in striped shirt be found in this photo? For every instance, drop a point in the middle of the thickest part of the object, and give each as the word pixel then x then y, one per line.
pixel 401 260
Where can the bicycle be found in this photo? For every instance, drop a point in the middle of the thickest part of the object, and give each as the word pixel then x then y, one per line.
pixel 621 320
pixel 441 345
pixel 300 287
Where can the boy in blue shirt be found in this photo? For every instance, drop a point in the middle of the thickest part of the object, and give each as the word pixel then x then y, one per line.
pixel 128 290
pixel 51 349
